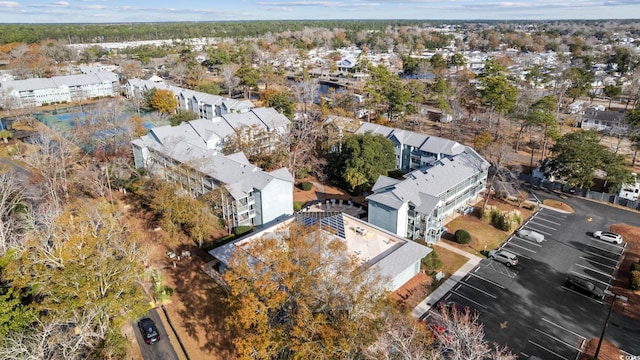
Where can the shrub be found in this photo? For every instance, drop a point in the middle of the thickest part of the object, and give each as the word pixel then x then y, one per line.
pixel 462 237
pixel 635 266
pixel 432 262
pixel 306 186
pixel 297 205
pixel 634 280
pixel 241 230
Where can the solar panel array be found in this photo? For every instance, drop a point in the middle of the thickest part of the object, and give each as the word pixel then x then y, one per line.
pixel 329 221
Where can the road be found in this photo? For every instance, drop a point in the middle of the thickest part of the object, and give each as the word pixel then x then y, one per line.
pixel 162 350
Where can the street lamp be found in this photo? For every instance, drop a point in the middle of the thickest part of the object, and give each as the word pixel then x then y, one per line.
pixel 606 322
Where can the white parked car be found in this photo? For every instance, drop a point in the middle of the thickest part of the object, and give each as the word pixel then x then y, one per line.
pixel 608 236
pixel 504 257
pixel 530 235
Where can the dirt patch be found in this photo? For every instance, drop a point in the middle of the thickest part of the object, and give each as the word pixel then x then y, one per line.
pixel 413 291
pixel 323 192
pixel 631 235
pixel 558 205
pixel 197 308
pixel 608 351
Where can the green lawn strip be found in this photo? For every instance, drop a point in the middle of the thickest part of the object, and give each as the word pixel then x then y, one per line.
pixel 451 261
pixel 485 236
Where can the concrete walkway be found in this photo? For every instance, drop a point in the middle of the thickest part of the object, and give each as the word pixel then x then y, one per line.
pixel 435 296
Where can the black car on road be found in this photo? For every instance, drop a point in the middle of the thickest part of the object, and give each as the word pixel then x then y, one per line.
pixel 149 331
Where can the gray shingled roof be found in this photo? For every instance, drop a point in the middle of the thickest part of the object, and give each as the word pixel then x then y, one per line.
pixel 423 187
pixel 57 81
pixel 383 182
pixel 186 145
pixel 432 144
pixel 392 264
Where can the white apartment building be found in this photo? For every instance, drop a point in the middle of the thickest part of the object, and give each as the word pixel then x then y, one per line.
pixel 443 177
pixel 61 89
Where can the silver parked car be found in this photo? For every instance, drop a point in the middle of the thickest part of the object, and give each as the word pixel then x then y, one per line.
pixel 608 236
pixel 504 257
pixel 530 235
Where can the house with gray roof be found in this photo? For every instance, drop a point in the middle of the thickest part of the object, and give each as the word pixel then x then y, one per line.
pixel 414 150
pixel 604 120
pixel 61 89
pixel 189 154
pixel 417 206
pixel 207 106
pixel 394 259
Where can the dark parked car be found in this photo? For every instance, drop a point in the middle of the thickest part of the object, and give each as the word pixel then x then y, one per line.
pixel 585 287
pixel 149 331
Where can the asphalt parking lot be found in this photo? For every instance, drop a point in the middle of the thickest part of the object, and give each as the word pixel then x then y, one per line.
pixel 528 308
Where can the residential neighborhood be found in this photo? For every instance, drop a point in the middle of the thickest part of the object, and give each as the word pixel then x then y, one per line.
pixel 343 190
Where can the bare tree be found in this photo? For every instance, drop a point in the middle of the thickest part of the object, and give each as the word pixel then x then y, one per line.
pixel 15 212
pixel 401 337
pixel 228 73
pixel 303 140
pixel 306 92
pixel 52 159
pixel 463 337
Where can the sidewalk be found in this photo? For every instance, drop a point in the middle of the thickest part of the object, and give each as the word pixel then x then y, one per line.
pixel 435 296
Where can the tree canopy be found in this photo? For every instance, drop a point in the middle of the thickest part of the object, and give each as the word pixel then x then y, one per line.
pixel 302 296
pixel 364 157
pixel 577 155
pixel 163 101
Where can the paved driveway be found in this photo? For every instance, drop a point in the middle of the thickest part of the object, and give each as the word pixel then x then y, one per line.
pixel 527 306
pixel 162 350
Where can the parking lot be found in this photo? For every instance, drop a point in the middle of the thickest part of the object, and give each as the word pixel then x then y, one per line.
pixel 528 307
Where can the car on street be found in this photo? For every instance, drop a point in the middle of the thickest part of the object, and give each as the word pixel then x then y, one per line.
pixel 530 235
pixel 608 236
pixel 149 331
pixel 503 256
pixel 584 287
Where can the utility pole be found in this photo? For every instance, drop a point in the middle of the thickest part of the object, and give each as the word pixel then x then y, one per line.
pixel 606 322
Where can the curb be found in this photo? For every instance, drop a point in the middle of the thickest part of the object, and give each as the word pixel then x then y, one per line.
pixel 172 335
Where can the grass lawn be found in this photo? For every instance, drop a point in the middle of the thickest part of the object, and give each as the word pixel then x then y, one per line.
pixel 451 260
pixel 484 236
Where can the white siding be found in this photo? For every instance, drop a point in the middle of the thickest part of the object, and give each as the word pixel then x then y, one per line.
pixel 405 276
pixel 274 201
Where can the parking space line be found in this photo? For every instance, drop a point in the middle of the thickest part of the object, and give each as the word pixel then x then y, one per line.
pixel 602 256
pixel 596 271
pixel 544 226
pixel 605 250
pixel 466 298
pixel 538 230
pixel 527 241
pixel 556 339
pixel 522 247
pixel 565 329
pixel 477 289
pixel 590 278
pixel 599 263
pixel 543 219
pixel 487 280
pixel 550 351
